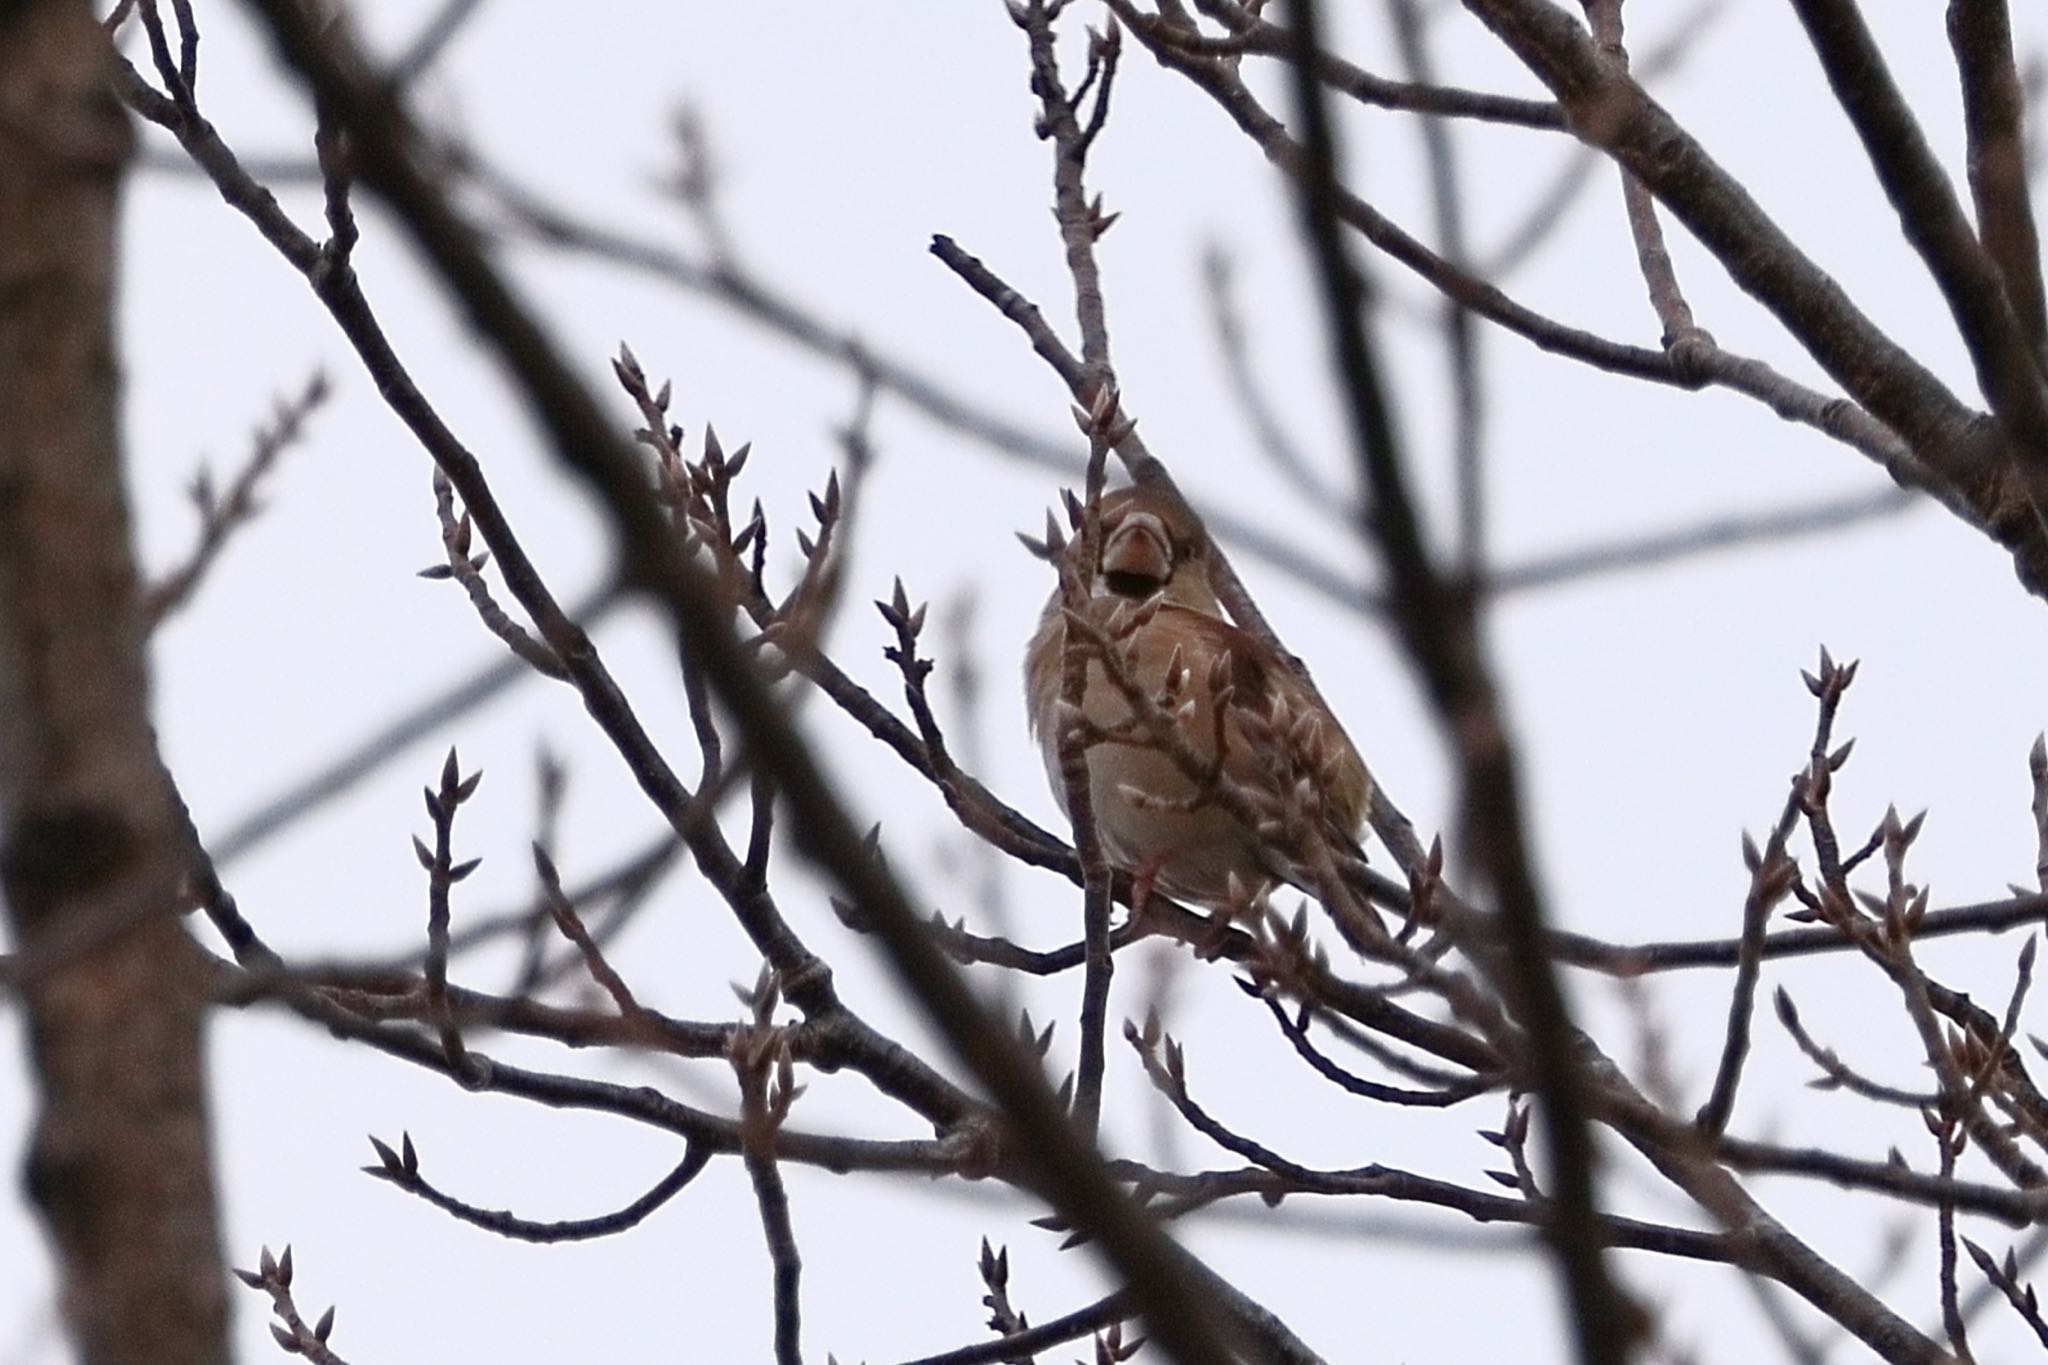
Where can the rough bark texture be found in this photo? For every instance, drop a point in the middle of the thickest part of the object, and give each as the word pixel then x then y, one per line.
pixel 119 1165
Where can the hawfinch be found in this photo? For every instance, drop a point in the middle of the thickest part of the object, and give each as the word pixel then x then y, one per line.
pixel 1152 608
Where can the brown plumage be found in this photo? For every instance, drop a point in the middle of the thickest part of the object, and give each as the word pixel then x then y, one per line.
pixel 1153 599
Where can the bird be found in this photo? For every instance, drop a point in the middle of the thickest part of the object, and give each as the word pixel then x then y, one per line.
pixel 1151 605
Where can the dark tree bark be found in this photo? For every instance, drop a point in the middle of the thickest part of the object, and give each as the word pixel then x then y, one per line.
pixel 119 1166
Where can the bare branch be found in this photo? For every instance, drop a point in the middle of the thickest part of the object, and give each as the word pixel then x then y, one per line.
pixel 1994 117
pixel 1950 452
pixel 222 513
pixel 1437 634
pixel 1681 334
pixel 2008 370
pixel 1054 1332
pixel 401 1168
pixel 292 1333
pixel 1159 1274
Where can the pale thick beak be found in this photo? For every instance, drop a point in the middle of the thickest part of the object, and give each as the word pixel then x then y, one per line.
pixel 1139 550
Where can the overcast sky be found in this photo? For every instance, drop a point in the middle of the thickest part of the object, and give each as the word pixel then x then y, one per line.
pixel 1660 713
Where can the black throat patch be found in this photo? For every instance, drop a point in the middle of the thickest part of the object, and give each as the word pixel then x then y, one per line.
pixel 1136 586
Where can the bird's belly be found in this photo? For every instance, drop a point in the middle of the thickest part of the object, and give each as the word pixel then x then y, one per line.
pixel 1147 810
pixel 1195 847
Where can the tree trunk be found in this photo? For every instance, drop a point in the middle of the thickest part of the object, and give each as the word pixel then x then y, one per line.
pixel 119 1166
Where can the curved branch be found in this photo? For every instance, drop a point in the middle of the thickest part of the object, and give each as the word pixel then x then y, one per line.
pixel 1954 451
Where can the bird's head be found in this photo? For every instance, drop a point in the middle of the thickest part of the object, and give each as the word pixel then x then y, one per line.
pixel 1153 543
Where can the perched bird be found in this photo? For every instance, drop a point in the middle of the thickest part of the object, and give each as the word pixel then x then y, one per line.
pixel 1152 615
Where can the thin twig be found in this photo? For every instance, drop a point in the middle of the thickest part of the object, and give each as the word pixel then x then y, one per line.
pixel 1267 429
pixel 220 514
pixel 401 1168
pixel 1605 1321
pixel 442 874
pixel 1548 210
pixel 1461 341
pixel 1296 1031
pixel 1949 1135
pixel 571 924
pixel 1838 1072
pixel 1952 453
pixel 1053 1332
pixel 1077 581
pixel 432 40
pixel 2037 770
pixel 1772 876
pixel 761 1060
pixel 731 284
pixel 2005 1278
pixel 1187 1319
pixel 467 570
pixel 1681 335
pixel 1656 548
pixel 291 1331
pixel 368 755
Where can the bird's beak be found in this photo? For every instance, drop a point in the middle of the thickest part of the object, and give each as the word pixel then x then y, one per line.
pixel 1139 549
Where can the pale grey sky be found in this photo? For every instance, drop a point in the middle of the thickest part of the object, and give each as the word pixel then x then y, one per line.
pixel 1660 714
